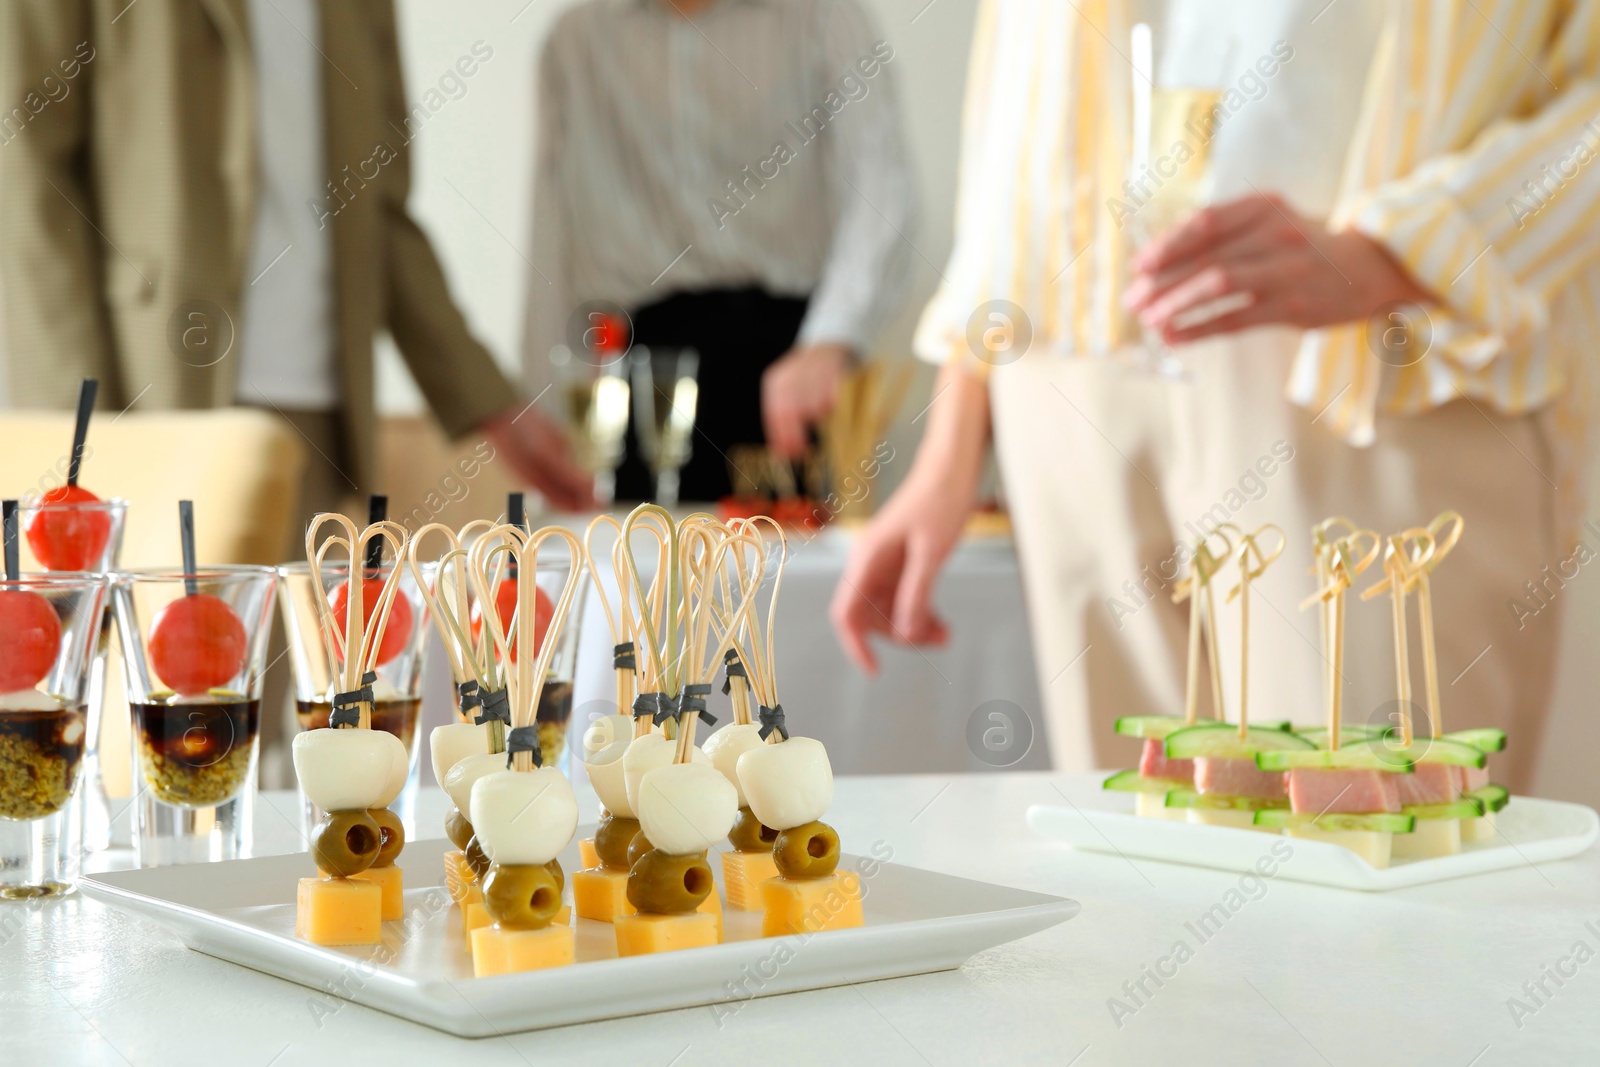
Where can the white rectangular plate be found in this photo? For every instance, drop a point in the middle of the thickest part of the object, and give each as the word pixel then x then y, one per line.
pixel 243 911
pixel 1530 831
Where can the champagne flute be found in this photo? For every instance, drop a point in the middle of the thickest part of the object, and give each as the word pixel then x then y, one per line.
pixel 597 416
pixel 1170 164
pixel 666 392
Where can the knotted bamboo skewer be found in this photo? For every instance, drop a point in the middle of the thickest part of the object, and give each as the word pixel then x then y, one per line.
pixel 1195 587
pixel 1249 545
pixel 1342 560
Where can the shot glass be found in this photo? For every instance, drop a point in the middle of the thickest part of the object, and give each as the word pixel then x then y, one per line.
pixel 554 714
pixel 49 628
pixel 196 726
pixel 397 694
pixel 82 536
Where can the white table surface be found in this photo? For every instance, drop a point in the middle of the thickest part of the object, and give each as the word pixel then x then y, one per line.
pixel 1299 975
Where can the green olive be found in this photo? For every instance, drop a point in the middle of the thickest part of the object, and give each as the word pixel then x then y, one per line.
pixel 346 843
pixel 641 844
pixel 477 859
pixel 393 833
pixel 749 835
pixel 554 867
pixel 611 840
pixel 808 851
pixel 669 885
pixel 457 828
pixel 521 896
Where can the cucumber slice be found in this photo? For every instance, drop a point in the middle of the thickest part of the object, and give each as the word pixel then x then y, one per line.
pixel 1382 824
pixel 1134 782
pixel 1485 738
pixel 1493 797
pixel 1468 807
pixel 1444 750
pixel 1348 734
pixel 1157 726
pixel 1364 756
pixel 1208 741
pixel 1183 797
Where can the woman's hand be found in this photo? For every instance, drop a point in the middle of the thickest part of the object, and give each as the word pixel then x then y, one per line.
pixel 798 392
pixel 1272 265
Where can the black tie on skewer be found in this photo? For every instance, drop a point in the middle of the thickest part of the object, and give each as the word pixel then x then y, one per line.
pixel 693 698
pixel 345 711
pixel 651 705
pixel 524 739
pixel 622 657
pixel 772 719
pixel 468 692
pixel 496 705
pixel 733 667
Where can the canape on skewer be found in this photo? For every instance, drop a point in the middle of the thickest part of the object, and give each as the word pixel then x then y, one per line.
pixel 523 813
pixel 349 770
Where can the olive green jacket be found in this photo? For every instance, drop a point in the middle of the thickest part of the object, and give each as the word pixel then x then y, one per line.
pixel 127 204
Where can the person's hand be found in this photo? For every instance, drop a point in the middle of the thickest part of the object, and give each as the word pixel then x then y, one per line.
pixel 887 587
pixel 540 454
pixel 1272 265
pixel 799 391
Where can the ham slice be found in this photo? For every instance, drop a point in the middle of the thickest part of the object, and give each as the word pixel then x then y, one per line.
pixel 1355 792
pixel 1473 778
pixel 1153 763
pixel 1430 783
pixel 1237 778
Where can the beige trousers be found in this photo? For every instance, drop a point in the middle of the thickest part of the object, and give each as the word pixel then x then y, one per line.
pixel 1107 469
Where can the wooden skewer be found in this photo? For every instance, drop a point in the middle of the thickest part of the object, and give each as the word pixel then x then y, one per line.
pixel 1247 545
pixel 532 670
pixel 1203 622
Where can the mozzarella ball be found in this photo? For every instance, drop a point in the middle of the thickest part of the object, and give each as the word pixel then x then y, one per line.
pixel 342 770
pixel 604 731
pixel 450 744
pixel 399 771
pixel 605 774
pixel 787 784
pixel 685 808
pixel 725 747
pixel 458 779
pixel 523 816
pixel 645 754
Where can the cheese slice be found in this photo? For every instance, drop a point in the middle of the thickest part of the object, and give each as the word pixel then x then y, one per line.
pixel 1375 848
pixel 742 874
pixel 338 911
pixel 499 951
pixel 1430 839
pixel 639 935
pixel 808 906
pixel 1239 820
pixel 1478 830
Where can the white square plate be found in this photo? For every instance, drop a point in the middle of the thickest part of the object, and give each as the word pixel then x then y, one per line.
pixel 1529 831
pixel 243 911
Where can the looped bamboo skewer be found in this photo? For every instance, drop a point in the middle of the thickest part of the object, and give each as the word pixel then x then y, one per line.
pixel 531 671
pixel 1401 569
pixel 452 616
pixel 1195 587
pixel 713 541
pixel 1247 545
pixel 760 656
pixel 618 622
pixel 658 617
pixel 488 562
pixel 1342 560
pixel 349 668
pixel 739 689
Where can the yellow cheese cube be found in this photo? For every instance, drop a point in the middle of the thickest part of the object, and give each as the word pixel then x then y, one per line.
pixel 588 856
pixel 390 881
pixel 601 894
pixel 474 916
pixel 742 875
pixel 638 935
pixel 1478 830
pixel 338 911
pixel 500 951
pixel 796 906
pixel 458 876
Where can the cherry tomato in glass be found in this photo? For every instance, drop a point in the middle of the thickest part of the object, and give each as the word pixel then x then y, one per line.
pixel 30 637
pixel 398 630
pixel 505 606
pixel 68 539
pixel 197 643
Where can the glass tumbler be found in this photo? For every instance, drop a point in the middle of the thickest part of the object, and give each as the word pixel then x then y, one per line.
pixel 49 630
pixel 194 651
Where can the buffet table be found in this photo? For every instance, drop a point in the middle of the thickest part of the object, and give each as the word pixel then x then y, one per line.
pixel 1294 975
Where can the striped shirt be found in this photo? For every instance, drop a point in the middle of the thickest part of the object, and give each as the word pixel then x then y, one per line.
pixel 757 144
pixel 1475 161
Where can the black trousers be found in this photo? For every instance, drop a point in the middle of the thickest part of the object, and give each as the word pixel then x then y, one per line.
pixel 738 333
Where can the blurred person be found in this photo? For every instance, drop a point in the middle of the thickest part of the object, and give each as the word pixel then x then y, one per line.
pixel 205 205
pixel 730 176
pixel 1387 313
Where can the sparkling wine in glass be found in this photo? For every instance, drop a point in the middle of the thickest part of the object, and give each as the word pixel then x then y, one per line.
pixel 666 393
pixel 597 412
